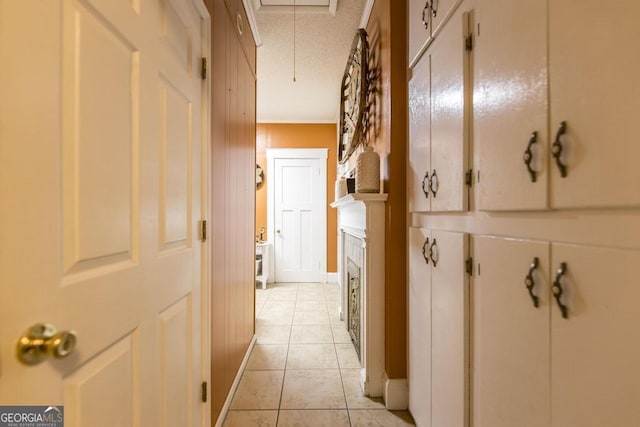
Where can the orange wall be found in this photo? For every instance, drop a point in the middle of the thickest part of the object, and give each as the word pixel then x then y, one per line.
pixel 272 135
pixel 388 135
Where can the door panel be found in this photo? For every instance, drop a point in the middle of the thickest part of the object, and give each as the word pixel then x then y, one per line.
pixel 511 335
pixel 595 351
pixel 420 136
pixel 450 330
pixel 112 377
pixel 598 103
pixel 419 328
pixel 449 116
pixel 111 129
pixel 510 103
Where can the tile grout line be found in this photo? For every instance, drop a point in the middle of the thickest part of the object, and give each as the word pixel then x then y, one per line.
pixel 286 359
pixel 344 393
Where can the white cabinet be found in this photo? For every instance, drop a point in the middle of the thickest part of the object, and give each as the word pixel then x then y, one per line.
pixel 449 329
pixel 419 327
pixel 438 328
pixel 420 137
pixel 510 104
pixel 578 370
pixel 536 63
pixel 594 89
pixel 426 18
pixel 419 17
pixel 511 335
pixel 439 122
pixel 595 377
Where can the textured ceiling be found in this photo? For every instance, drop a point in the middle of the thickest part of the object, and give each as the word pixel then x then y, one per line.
pixel 322 43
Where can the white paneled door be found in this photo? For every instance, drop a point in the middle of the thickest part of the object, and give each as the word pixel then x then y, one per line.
pixel 101 183
pixel 299 219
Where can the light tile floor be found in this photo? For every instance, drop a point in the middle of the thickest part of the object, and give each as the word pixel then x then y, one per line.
pixel 303 370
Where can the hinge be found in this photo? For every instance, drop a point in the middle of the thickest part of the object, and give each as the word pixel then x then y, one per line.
pixel 203 392
pixel 468 42
pixel 468 178
pixel 469 266
pixel 203 68
pixel 203 230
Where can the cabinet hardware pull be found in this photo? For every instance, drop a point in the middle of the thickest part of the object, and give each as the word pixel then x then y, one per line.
pixel 425 15
pixel 433 249
pixel 530 283
pixel 433 183
pixel 424 250
pixel 425 185
pixel 528 156
pixel 557 289
pixel 434 7
pixel 556 149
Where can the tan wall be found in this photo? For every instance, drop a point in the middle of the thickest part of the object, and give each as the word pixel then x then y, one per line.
pixel 388 135
pixel 272 135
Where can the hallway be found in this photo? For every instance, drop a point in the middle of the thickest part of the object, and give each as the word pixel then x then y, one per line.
pixel 303 370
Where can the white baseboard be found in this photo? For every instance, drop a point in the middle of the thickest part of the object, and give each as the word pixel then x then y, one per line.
pixel 332 278
pixel 395 393
pixel 234 386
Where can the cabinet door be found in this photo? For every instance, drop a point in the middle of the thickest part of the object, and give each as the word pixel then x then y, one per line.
pixel 440 10
pixel 419 136
pixel 419 25
pixel 449 330
pixel 594 88
pixel 449 117
pixel 510 104
pixel 419 327
pixel 595 377
pixel 510 334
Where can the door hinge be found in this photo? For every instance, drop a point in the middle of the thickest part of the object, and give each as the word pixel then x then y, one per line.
pixel 203 392
pixel 468 178
pixel 203 68
pixel 203 230
pixel 468 43
pixel 469 266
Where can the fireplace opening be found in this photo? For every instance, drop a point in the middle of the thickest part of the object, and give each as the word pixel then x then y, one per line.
pixel 353 304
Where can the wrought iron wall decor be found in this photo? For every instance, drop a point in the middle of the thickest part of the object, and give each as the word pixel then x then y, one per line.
pixel 353 98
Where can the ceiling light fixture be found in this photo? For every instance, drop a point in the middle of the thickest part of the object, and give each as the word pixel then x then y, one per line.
pixel 294 41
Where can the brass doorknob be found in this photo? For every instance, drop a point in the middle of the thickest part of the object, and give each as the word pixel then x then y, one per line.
pixel 42 340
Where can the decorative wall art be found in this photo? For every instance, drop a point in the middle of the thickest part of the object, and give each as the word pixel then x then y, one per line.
pixel 353 98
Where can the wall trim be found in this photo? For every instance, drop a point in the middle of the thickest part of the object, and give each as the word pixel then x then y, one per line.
pixel 234 386
pixel 366 14
pixel 253 24
pixel 333 277
pixel 395 393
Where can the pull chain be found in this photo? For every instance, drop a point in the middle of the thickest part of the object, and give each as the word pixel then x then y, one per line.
pixel 294 41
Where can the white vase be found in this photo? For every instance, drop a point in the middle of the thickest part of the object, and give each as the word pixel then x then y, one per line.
pixel 368 172
pixel 341 188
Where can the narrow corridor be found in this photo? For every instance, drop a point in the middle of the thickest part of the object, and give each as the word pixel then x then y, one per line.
pixel 303 370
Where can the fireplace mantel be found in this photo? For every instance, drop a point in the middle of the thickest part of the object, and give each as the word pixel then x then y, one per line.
pixel 361 219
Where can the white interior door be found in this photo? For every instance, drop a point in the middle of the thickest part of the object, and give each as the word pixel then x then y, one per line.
pixel 299 208
pixel 101 186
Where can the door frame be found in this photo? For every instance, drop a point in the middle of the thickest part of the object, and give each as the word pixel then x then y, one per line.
pixel 292 154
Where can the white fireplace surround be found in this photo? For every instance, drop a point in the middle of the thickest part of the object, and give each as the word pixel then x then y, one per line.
pixel 361 237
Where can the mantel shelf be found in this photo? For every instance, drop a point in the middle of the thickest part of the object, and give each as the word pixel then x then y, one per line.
pixel 359 197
